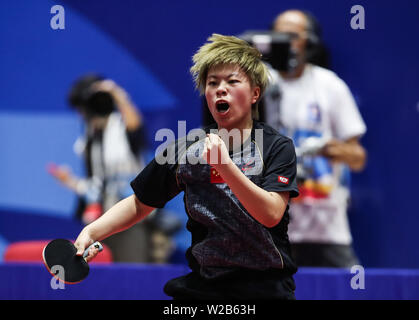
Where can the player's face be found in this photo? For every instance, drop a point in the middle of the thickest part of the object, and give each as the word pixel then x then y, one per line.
pixel 230 96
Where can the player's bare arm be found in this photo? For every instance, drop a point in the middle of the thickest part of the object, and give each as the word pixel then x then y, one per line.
pixel 121 216
pixel 266 207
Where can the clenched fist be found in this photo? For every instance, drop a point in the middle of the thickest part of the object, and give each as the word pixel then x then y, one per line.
pixel 215 151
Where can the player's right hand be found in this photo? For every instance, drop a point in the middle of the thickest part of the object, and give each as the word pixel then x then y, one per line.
pixel 83 241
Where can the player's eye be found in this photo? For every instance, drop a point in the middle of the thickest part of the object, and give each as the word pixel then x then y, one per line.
pixel 212 83
pixel 233 81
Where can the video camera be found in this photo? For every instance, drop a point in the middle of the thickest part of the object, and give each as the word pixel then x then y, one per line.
pixel 93 103
pixel 98 103
pixel 274 46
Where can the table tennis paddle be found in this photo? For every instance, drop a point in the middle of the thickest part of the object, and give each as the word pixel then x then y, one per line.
pixel 61 260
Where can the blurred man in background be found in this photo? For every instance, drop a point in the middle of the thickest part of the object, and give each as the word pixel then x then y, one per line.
pixel 314 107
pixel 112 148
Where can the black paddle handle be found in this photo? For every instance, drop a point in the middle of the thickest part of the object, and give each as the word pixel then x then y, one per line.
pixel 96 245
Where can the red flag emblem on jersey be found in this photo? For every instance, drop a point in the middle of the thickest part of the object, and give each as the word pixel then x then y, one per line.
pixel 283 179
pixel 216 177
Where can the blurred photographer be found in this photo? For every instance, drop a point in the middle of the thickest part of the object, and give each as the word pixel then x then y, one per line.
pixel 111 148
pixel 314 107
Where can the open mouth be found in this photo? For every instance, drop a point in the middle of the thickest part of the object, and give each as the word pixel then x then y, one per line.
pixel 223 107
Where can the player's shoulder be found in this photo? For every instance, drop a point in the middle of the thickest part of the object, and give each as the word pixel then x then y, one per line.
pixel 271 136
pixel 276 147
pixel 268 130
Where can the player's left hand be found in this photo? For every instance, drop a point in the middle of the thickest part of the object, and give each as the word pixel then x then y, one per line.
pixel 215 151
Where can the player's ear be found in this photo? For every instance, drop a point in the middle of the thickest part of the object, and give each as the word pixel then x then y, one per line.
pixel 255 94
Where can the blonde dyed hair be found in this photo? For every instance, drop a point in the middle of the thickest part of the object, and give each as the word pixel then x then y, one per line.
pixel 221 50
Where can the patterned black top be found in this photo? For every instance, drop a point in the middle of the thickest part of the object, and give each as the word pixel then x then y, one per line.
pixel 225 237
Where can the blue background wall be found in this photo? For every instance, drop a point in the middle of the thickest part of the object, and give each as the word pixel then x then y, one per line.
pixel 146 46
